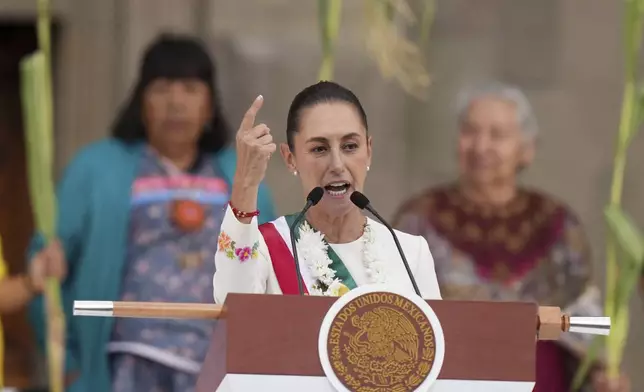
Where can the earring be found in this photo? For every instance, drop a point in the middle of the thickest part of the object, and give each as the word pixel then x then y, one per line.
pixel 367 168
pixel 295 173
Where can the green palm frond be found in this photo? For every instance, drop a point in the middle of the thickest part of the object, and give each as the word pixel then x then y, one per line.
pixel 397 56
pixel 427 20
pixel 330 17
pixel 625 242
pixel 38 114
pixel 386 24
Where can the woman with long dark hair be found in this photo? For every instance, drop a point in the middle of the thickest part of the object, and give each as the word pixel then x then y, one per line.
pixel 139 217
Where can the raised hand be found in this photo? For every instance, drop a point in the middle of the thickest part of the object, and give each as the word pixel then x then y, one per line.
pixel 254 148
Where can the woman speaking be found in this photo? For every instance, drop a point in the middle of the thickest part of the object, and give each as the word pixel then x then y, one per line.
pixel 329 148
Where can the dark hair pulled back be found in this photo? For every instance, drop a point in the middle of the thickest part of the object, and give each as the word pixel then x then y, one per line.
pixel 321 92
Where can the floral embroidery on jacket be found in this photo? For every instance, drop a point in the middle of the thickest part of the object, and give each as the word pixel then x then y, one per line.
pixel 227 245
pixel 224 241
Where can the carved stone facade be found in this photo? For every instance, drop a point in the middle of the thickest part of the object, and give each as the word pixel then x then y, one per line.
pixel 565 54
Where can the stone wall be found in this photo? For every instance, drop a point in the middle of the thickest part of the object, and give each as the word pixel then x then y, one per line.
pixel 565 54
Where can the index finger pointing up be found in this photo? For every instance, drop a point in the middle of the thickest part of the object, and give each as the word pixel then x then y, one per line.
pixel 249 117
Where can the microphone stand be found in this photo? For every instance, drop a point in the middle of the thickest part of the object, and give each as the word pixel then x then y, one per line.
pixel 402 254
pixel 312 199
pixel 296 224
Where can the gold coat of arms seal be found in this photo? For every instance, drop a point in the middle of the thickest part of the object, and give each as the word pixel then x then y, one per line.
pixel 377 340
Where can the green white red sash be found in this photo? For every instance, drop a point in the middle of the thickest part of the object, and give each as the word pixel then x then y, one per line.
pixel 277 237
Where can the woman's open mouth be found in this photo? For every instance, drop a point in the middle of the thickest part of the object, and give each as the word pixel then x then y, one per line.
pixel 337 189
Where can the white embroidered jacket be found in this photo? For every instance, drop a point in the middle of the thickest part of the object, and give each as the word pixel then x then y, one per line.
pixel 243 262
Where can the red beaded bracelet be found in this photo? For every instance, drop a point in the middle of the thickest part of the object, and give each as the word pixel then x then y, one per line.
pixel 243 214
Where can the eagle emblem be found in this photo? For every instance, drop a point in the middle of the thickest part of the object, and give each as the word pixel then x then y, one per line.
pixel 384 334
pixel 381 347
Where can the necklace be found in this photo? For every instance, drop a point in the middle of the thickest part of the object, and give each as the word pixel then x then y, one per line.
pixel 186 212
pixel 313 250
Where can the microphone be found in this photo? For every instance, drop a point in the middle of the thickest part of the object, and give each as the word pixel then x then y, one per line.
pixel 312 199
pixel 363 203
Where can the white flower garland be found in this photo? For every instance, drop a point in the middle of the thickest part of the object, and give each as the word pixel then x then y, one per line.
pixel 312 249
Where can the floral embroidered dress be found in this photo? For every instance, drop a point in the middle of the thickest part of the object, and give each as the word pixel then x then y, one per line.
pixel 533 249
pixel 259 259
pixel 167 263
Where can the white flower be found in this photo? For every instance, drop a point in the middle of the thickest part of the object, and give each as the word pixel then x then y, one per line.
pixel 312 249
pixel 375 269
pixel 337 288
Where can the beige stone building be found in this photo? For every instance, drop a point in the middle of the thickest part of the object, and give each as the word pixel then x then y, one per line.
pixel 565 54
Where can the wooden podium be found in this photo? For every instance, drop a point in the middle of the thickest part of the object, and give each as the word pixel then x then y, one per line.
pixel 270 342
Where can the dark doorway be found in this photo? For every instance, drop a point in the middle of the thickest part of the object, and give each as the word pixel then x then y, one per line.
pixel 17 39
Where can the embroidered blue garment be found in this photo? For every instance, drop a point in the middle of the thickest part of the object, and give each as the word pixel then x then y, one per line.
pixel 94 206
pixel 168 264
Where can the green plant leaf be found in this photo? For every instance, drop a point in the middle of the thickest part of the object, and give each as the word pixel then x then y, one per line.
pixel 329 20
pixel 387 44
pixel 630 252
pixel 640 112
pixel 626 233
pixel 426 22
pixel 631 270
pixel 616 341
pixel 587 363
pixel 633 23
pixel 38 114
pixel 624 244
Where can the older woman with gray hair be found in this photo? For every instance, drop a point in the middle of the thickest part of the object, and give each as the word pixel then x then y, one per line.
pixel 493 239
